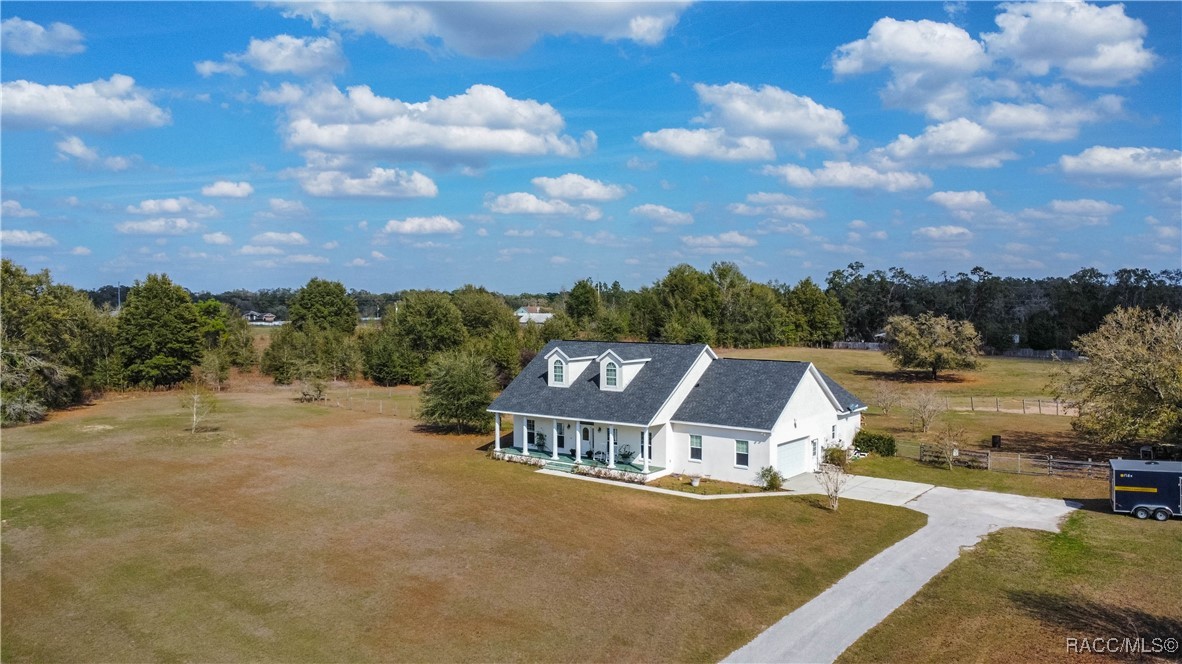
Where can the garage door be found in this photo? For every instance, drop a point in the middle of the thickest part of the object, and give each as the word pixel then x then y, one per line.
pixel 792 458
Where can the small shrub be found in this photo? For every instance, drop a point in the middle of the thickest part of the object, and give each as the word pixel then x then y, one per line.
pixel 882 444
pixel 836 456
pixel 769 479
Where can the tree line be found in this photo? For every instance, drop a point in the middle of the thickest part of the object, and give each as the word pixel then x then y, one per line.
pixel 60 344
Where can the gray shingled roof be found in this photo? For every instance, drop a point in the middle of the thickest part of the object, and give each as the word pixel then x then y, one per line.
pixel 636 404
pixel 748 393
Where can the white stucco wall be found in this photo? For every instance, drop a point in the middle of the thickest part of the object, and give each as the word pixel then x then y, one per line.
pixel 718 452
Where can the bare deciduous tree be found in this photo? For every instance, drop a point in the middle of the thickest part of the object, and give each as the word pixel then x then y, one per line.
pixel 199 401
pixel 886 395
pixel 951 439
pixel 833 479
pixel 926 406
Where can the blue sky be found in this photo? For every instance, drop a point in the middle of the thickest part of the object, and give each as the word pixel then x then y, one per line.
pixel 525 146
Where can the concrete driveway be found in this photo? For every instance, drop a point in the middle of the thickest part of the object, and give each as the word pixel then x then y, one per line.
pixel 870 489
pixel 822 629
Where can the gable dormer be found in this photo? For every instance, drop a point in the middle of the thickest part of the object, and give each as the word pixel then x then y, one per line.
pixel 563 370
pixel 614 373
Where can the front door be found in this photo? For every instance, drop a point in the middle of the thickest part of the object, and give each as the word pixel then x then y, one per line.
pixel 587 438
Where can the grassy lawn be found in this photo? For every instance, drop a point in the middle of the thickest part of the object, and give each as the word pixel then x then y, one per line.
pixel 897 468
pixel 313 533
pixel 855 369
pixel 706 487
pixel 1020 594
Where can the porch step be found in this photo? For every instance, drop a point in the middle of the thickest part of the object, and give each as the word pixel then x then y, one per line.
pixel 560 467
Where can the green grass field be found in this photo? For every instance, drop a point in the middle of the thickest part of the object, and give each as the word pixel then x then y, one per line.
pixel 294 532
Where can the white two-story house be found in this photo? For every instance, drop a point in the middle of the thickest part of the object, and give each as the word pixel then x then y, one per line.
pixel 648 410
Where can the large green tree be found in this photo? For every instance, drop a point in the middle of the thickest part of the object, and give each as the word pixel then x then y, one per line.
pixel 458 391
pixel 932 343
pixel 422 324
pixel 323 304
pixel 1130 387
pixel 582 304
pixel 56 346
pixel 482 311
pixel 823 321
pixel 159 333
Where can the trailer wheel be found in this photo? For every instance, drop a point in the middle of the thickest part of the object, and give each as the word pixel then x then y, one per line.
pixel 1162 514
pixel 1141 512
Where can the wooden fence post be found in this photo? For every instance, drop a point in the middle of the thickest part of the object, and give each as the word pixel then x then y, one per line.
pixel 1040 406
pixel 972 407
pixel 997 404
pixel 1023 406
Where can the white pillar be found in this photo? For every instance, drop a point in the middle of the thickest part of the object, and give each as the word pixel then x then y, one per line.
pixel 497 432
pixel 554 439
pixel 644 449
pixel 525 436
pixel 611 449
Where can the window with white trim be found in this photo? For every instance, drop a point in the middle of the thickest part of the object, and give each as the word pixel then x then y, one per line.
pixel 560 436
pixel 741 455
pixel 559 371
pixel 529 431
pixel 695 448
pixel 611 375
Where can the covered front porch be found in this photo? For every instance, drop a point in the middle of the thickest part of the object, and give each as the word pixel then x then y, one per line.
pixel 567 460
pixel 567 444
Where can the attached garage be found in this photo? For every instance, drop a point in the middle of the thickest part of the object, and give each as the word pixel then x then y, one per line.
pixel 793 458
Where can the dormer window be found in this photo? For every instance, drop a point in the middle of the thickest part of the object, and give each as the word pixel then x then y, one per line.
pixel 559 369
pixel 611 375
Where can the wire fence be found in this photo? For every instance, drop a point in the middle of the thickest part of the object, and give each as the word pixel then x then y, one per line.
pixel 1012 405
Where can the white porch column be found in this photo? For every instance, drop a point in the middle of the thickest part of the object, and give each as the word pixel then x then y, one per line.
pixel 644 449
pixel 524 435
pixel 611 449
pixel 554 439
pixel 497 432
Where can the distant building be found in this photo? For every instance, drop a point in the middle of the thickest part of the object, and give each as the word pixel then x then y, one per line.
pixel 531 314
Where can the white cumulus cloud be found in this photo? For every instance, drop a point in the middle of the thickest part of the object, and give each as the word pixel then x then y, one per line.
pixel 708 144
pixel 1131 163
pixel 959 142
pixel 72 147
pixel 28 38
pixel 463 128
pixel 273 237
pixel 160 226
pixel 1086 43
pixel 961 200
pixel 728 239
pixel 173 206
pixel 377 183
pixel 775 114
pixel 944 233
pixel 575 187
pixel 101 105
pixel 14 209
pixel 526 203
pixel 423 225
pixel 493 30
pixel 662 215
pixel 847 175
pixel 779 206
pixel 930 63
pixel 19 238
pixel 217 238
pixel 282 54
pixel 227 189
